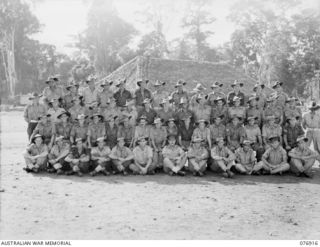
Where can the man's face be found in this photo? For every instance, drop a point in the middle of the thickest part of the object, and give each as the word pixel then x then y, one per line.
pixel 44 119
pixel 35 100
pixel 271 121
pixel 55 103
pixel 275 143
pixel 143 85
pixel 246 148
pixel 197 144
pixel 235 121
pixel 293 122
pixel 60 142
pixel 100 144
pixel 217 121
pixel 237 102
pixel 180 89
pixel 121 143
pixel 147 105
pixel 301 144
pixel 91 84
pixel 220 143
pixel 142 143
pixel 38 141
pixel 73 89
pixel 79 144
pixel 236 88
pixel 202 125
pixel 220 103
pixel 96 119
pixel 171 124
pixel 81 121
pixel 143 122
pixel 187 120
pixel 258 90
pixel 251 122
pixel 52 83
pixel 253 103
pixel 126 122
pixel 172 141
pixel 64 118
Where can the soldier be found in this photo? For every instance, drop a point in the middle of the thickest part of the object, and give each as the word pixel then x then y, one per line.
pixel 217 129
pixel 131 111
pixel 236 92
pixel 268 110
pixel 55 110
pixel 45 129
pixel 245 158
pixel 185 132
pixel 78 108
pixel 183 110
pixel 147 111
pixel 253 110
pixel 201 110
pixel 165 112
pixel 57 156
pixel 78 159
pixel 236 109
pixel 302 158
pixel 100 158
pixel 90 93
pixel 158 137
pixel 203 132
pixel 197 157
pixel 197 92
pixel 311 123
pixel 261 95
pixel 121 157
pixel 174 158
pixel 217 92
pixel 33 112
pixel 105 94
pixel 253 134
pixel 63 128
pixel 291 110
pixel 36 155
pixel 223 159
pixel 179 93
pixel 72 93
pixel 158 95
pixel 96 129
pixel 220 110
pixel 126 130
pixel 172 128
pixel 274 160
pixel 271 129
pixel 122 95
pixel 79 130
pixel 235 133
pixel 281 96
pixel 141 130
pixel 143 158
pixel 111 131
pixel 291 131
pixel 52 91
pixel 142 93
pixel 111 109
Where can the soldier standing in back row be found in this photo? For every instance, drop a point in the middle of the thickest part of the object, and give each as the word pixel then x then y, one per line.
pixel 236 86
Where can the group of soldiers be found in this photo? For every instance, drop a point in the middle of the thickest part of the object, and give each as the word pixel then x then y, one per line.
pixel 96 129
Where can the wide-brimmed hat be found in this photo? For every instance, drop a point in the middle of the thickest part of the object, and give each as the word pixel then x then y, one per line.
pixel 246 142
pixel 171 119
pixel 142 138
pixel 59 138
pixel 313 106
pixel 253 97
pixel 129 102
pixel 218 139
pixel 270 117
pixel 141 80
pixel 91 78
pixel 200 97
pixel 183 101
pixel 220 98
pixel 216 84
pixel 186 116
pixel 72 84
pixel 237 83
pixel 35 137
pixel 104 83
pixel 120 139
pixel 101 139
pixel 252 118
pixel 120 81
pixel 290 99
pixel 180 83
pixel 78 139
pixel 51 79
pixel 35 95
pixel 143 117
pixel 302 138
pixel 64 113
pixel 159 83
pixel 97 114
pixel 44 115
pixel 276 83
pixel 171 136
pixel 202 121
pixel 53 99
pixel 235 98
pixel 81 116
pixel 292 117
pixel 258 85
pixel 157 120
pixel 79 97
pixel 235 116
pixel 146 101
pixel 163 101
pixel 221 116
pixel 273 138
pixel 198 88
pixel 197 139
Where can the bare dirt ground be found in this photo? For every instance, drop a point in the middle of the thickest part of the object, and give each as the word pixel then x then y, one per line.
pixel 152 207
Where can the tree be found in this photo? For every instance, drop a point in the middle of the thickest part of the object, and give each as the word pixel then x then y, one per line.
pixel 196 22
pixel 106 36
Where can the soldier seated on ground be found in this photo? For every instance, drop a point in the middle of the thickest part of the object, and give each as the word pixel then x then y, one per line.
pixel 174 158
pixel 274 160
pixel 245 158
pixel 121 157
pixel 302 158
pixel 78 159
pixel 57 155
pixel 36 155
pixel 223 158
pixel 198 157
pixel 143 158
pixel 100 158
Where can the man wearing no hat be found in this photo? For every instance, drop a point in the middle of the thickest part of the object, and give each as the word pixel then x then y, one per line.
pixel 33 112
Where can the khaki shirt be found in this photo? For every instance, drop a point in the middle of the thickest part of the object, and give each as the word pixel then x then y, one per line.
pixel 62 130
pixel 123 152
pixel 55 113
pixel 100 153
pixel 270 131
pixel 32 113
pixel 78 131
pixel 198 153
pixel 158 135
pixel 245 158
pixel 142 155
pixel 311 121
pixel 203 134
pixel 202 112
pixel 302 152
pixel 57 150
pixel 96 130
pixel 90 96
pixel 224 152
pixel 172 152
pixel 33 150
pixel 252 132
pixel 54 93
pixel 217 131
pixel 126 132
pixel 141 132
pixel 275 156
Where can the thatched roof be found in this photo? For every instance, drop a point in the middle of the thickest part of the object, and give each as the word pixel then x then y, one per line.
pixel 171 71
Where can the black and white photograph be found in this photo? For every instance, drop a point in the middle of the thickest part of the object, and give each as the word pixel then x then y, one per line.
pixel 159 120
